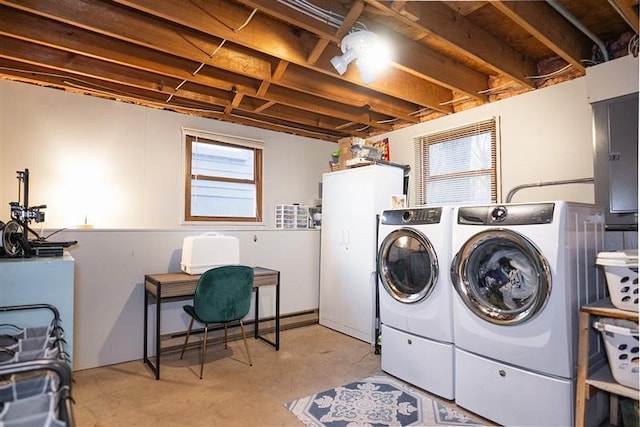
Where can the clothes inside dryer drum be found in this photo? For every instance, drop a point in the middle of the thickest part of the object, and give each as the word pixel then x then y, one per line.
pixel 501 277
pixel 509 272
pixel 505 278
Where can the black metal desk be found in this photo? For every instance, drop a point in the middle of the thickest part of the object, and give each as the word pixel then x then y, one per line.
pixel 172 286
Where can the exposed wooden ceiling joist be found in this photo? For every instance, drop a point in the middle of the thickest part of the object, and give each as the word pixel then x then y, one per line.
pixel 266 63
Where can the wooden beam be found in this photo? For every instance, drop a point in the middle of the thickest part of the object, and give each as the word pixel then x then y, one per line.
pixel 317 50
pixel 78 68
pixel 410 57
pixel 280 69
pixel 84 42
pixel 306 118
pixel 264 106
pixel 234 103
pixel 349 21
pixel 129 34
pixel 545 24
pixel 264 87
pixel 458 32
pixel 273 37
pixel 628 9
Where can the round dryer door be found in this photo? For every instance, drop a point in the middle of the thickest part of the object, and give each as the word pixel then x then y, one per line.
pixel 407 265
pixel 501 277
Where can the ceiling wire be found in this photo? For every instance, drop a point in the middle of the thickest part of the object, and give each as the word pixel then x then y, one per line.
pixel 456 101
pixel 552 74
pixel 422 112
pixel 502 88
pixel 246 22
pixel 632 47
pixel 92 87
pixel 84 84
pixel 40 73
pixel 197 70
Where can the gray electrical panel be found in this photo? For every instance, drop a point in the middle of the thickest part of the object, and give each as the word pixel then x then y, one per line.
pixel 616 160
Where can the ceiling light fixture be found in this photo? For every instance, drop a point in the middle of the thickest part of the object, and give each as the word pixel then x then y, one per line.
pixel 370 52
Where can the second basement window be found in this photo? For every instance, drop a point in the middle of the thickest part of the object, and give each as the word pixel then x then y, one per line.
pixel 457 166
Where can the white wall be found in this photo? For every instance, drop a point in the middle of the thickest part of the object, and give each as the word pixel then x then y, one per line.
pixel 545 136
pixel 121 166
pixel 110 270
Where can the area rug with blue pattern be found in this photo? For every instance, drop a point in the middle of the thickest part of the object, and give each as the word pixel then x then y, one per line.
pixel 377 401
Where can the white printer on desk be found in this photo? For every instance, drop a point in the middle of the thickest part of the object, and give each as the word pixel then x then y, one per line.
pixel 201 253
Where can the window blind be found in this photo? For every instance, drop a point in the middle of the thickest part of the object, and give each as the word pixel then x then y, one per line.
pixel 457 165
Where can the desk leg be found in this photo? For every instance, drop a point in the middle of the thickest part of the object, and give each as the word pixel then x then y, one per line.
pixel 278 313
pixel 158 333
pixel 145 353
pixel 256 322
pixel 256 327
pixel 145 336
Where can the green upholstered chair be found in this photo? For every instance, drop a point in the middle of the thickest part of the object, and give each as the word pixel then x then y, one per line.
pixel 222 295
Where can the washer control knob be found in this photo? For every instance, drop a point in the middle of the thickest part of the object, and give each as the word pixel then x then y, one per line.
pixel 499 214
pixel 407 216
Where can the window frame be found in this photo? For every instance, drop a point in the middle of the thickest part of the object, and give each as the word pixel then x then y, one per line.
pixel 189 137
pixel 421 158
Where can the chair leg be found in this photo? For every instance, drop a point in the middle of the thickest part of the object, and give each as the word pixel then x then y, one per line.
pixel 246 346
pixel 225 336
pixel 204 349
pixel 187 338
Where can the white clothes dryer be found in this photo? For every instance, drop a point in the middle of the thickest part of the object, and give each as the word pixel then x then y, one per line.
pixel 415 297
pixel 521 272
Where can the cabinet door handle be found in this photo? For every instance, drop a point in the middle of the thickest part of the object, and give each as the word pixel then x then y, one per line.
pixel 345 236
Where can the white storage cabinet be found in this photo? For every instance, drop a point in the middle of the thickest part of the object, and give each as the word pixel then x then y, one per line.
pixel 351 199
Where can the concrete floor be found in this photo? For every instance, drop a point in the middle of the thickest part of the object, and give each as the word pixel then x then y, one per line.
pixel 232 393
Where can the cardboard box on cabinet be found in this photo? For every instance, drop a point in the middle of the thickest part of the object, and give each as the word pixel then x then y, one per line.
pixel 344 146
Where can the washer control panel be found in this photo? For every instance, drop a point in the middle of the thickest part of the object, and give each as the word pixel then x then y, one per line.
pixel 518 214
pixel 412 216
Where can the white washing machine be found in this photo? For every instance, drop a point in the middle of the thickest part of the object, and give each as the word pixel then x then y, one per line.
pixel 415 297
pixel 521 272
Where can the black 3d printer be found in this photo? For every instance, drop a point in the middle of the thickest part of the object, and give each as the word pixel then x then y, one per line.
pixel 14 235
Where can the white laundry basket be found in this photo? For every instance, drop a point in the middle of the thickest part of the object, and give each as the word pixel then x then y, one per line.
pixel 621 344
pixel 621 272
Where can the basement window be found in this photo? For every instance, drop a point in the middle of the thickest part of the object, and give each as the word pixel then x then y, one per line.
pixel 223 178
pixel 458 165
